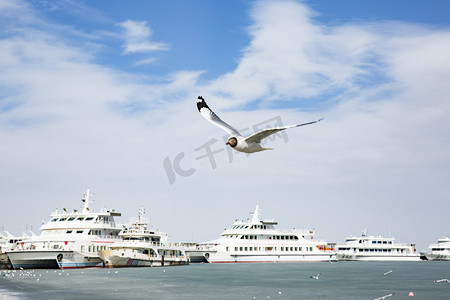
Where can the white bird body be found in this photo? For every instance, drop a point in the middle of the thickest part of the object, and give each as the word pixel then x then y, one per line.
pixel 248 144
pixel 443 280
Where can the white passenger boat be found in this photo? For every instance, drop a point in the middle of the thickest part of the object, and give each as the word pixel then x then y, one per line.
pixel 375 248
pixel 68 240
pixel 258 241
pixel 141 247
pixel 439 251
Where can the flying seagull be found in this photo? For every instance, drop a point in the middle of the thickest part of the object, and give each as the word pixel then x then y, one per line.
pixel 249 144
pixel 316 277
pixel 443 280
pixel 384 297
pixel 388 272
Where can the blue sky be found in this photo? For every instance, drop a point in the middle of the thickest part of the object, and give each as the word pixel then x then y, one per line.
pixel 102 94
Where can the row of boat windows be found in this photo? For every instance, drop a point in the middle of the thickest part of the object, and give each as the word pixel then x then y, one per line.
pixel 93 248
pixel 104 219
pixel 72 219
pixel 246 226
pixel 80 231
pixel 284 249
pixel 376 250
pixel 376 242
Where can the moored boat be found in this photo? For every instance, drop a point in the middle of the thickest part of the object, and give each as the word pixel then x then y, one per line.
pixel 375 248
pixel 68 240
pixel 439 251
pixel 142 247
pixel 258 240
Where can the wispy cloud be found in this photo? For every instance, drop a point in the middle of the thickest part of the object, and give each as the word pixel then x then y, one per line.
pixel 137 38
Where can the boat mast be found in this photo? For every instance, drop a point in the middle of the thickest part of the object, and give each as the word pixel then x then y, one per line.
pixel 86 202
pixel 255 218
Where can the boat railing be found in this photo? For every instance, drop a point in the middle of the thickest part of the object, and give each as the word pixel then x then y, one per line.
pixel 140 243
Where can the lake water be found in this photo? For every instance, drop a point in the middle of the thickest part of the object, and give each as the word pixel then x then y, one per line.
pixel 340 280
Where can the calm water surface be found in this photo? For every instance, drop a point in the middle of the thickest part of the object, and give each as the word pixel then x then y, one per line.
pixel 341 280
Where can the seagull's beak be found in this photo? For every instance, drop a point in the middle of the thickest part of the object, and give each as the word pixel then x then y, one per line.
pixel 227 143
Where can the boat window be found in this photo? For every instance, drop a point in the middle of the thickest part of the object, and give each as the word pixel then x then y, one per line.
pixel 62 219
pixel 69 231
pixel 54 220
pixel 80 219
pixel 71 219
pixel 89 219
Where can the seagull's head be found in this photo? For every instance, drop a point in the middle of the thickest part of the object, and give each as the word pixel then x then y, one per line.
pixel 232 142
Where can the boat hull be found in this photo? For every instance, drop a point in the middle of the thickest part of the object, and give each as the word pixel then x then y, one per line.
pixel 115 259
pixel 196 256
pixel 355 257
pixel 437 256
pixel 222 257
pixel 52 260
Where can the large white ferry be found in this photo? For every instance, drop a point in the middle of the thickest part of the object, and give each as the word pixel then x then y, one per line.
pixel 68 240
pixel 141 247
pixel 439 251
pixel 258 241
pixel 375 248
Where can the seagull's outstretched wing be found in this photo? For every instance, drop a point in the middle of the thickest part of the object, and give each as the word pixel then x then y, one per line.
pixel 257 137
pixel 209 115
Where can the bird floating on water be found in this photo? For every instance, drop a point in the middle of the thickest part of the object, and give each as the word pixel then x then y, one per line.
pixel 248 144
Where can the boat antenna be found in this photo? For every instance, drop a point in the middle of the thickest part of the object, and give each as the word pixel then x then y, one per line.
pixel 141 214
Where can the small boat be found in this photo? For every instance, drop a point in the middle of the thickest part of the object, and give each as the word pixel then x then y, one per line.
pixel 439 251
pixel 257 241
pixel 375 248
pixel 141 247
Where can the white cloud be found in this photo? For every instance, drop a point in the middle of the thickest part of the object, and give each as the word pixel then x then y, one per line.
pixel 137 38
